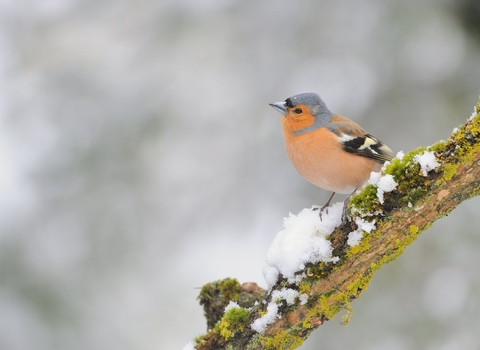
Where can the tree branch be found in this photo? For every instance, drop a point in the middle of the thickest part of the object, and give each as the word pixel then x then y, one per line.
pixel 410 209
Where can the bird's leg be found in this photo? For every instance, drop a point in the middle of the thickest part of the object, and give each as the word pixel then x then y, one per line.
pixel 345 209
pixel 325 207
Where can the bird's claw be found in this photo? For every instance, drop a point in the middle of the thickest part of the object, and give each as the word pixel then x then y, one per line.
pixel 321 211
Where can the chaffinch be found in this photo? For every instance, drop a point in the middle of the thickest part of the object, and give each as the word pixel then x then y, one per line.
pixel 330 151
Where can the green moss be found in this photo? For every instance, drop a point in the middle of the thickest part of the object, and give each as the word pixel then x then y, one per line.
pixel 210 340
pixel 198 339
pixel 230 288
pixel 215 296
pixel 365 202
pixel 234 320
pixel 412 185
pixel 438 147
pixel 406 172
pixel 412 196
pixel 406 166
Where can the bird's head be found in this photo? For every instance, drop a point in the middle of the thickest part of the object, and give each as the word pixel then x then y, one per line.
pixel 303 112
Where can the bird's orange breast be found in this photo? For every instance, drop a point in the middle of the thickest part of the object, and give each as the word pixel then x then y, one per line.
pixel 319 158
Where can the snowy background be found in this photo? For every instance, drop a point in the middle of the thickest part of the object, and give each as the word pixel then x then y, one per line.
pixel 139 160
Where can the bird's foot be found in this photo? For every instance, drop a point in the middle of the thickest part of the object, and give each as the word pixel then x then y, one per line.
pixel 322 210
pixel 346 220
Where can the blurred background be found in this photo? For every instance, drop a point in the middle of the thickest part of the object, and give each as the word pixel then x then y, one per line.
pixel 140 160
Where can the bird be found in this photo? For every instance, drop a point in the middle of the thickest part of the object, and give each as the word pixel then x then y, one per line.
pixel 328 150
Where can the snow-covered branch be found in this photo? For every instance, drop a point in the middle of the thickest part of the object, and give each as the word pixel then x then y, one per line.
pixel 316 268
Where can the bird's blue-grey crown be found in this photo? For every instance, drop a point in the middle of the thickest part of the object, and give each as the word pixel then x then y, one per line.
pixel 314 103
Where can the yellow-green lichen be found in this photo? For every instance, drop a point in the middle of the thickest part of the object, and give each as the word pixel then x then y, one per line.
pixel 363 246
pixel 304 288
pixel 314 313
pixel 413 229
pixel 307 323
pixel 344 300
pixel 400 245
pixel 281 341
pixel 449 170
pixel 463 141
pixel 332 303
pixel 361 283
pixel 326 308
pixel 414 233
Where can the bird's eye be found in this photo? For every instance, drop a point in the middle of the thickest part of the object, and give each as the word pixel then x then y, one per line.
pixel 298 110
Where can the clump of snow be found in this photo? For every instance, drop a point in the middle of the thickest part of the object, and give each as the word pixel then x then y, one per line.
pixel 270 273
pixel 400 155
pixel 384 184
pixel 355 237
pixel 232 304
pixel 427 162
pixel 454 130
pixel 260 324
pixel 374 178
pixel 387 183
pixel 364 225
pixel 287 294
pixel 380 196
pixel 303 240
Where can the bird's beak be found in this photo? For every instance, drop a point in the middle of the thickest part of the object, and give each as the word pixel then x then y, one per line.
pixel 279 107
